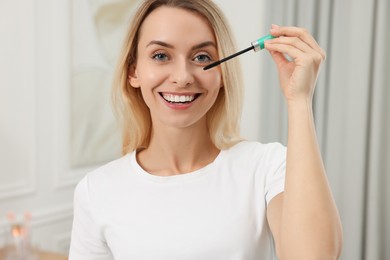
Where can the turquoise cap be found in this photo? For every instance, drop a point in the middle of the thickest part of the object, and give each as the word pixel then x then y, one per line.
pixel 259 43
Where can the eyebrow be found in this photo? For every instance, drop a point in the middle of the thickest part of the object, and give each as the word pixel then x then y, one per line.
pixel 167 45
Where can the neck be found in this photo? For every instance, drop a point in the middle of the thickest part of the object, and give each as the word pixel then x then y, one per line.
pixel 175 151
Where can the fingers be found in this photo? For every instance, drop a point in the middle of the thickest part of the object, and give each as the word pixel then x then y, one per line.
pixel 294 42
pixel 292 46
pixel 297 50
pixel 279 58
pixel 291 51
pixel 296 37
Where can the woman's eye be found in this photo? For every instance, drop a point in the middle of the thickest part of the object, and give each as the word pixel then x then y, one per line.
pixel 160 57
pixel 203 58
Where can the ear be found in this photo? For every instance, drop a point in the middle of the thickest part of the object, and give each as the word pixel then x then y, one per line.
pixel 133 77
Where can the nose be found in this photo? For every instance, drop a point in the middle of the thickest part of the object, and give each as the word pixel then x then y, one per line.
pixel 182 74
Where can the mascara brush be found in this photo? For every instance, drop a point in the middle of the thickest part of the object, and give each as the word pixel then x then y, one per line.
pixel 255 45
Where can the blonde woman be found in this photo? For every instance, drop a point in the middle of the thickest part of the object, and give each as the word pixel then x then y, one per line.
pixel 188 186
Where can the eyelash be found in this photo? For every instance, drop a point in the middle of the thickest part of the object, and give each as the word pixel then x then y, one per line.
pixel 155 56
pixel 209 59
pixel 158 57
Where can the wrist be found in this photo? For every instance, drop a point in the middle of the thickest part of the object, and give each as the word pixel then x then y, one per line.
pixel 303 102
pixel 300 111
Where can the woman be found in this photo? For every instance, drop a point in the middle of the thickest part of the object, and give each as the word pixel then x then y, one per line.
pixel 188 186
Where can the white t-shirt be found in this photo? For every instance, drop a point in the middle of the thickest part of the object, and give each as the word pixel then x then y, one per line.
pixel 218 212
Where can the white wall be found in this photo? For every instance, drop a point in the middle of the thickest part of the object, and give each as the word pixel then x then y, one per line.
pixel 35 172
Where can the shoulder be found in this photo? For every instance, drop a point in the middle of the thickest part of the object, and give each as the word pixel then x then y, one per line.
pixel 112 169
pixel 253 157
pixel 256 150
pixel 104 175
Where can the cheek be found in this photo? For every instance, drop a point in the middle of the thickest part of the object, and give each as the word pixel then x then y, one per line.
pixel 151 77
pixel 210 79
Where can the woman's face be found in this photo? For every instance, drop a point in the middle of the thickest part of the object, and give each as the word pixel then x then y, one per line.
pixel 174 46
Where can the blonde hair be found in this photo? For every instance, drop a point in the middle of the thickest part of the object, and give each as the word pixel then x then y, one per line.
pixel 223 118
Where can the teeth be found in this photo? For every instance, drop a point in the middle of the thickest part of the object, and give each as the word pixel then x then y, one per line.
pixel 177 98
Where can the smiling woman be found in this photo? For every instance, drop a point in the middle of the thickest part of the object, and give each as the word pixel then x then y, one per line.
pixel 188 186
pixel 224 130
pixel 171 56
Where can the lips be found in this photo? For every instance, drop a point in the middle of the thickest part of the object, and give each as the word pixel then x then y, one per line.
pixel 179 98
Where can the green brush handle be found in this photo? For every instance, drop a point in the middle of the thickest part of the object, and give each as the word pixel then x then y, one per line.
pixel 259 43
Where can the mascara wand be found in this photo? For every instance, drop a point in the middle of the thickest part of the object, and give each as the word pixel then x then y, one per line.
pixel 255 45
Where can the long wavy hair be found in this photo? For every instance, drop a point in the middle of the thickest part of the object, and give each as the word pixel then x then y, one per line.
pixel 223 118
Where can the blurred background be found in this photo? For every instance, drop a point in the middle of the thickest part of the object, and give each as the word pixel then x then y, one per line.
pixel 56 124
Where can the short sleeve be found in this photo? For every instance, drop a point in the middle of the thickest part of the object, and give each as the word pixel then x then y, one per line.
pixel 276 171
pixel 87 241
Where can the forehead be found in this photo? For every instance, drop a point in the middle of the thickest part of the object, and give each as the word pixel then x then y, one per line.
pixel 172 24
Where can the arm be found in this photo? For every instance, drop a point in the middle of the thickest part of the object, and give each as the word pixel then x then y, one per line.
pixel 86 241
pixel 304 219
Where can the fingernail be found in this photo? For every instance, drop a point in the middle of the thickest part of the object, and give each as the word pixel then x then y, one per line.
pixel 274 26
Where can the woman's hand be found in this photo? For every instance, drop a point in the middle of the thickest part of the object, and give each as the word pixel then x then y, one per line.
pixel 297 77
pixel 303 219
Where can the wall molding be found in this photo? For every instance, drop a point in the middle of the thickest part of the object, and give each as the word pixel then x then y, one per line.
pixel 45 217
pixel 66 176
pixel 52 216
pixel 14 190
